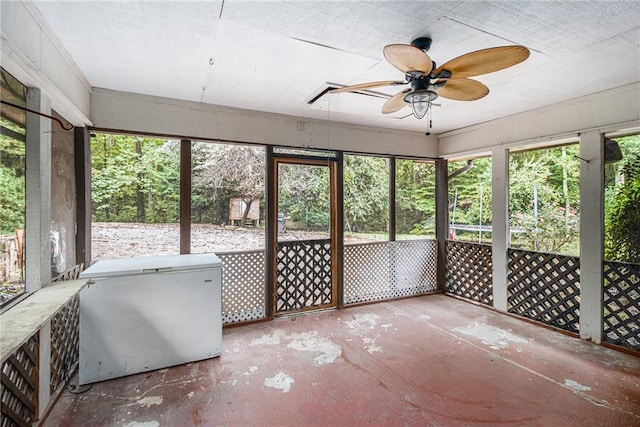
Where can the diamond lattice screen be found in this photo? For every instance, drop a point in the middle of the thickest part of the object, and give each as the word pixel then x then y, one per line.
pixel 545 287
pixel 470 271
pixel 20 385
pixel 304 277
pixel 622 304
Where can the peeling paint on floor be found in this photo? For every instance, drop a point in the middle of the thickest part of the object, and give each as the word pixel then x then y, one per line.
pixel 151 400
pixel 143 424
pixel 271 339
pixel 310 341
pixel 370 345
pixel 415 371
pixel 576 386
pixel 492 336
pixel 281 381
pixel 363 321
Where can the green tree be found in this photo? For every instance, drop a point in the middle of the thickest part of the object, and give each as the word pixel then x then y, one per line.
pixel 415 197
pixel 470 194
pixel 12 183
pixel 222 171
pixel 135 179
pixel 366 194
pixel 544 199
pixel 622 216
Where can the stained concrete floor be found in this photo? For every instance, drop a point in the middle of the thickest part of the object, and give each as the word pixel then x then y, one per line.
pixel 426 361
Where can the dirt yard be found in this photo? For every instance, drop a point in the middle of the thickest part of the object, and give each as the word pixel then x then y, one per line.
pixel 120 240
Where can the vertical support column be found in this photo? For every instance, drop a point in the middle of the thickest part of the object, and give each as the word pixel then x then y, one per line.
pixel 500 225
pixel 442 221
pixel 591 235
pixel 82 154
pixel 339 213
pixel 44 368
pixel 38 189
pixel 185 196
pixel 392 199
pixel 271 230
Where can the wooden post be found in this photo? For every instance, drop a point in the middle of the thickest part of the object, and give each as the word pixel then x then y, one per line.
pixel 271 227
pixel 500 225
pixel 185 196
pixel 591 235
pixel 442 221
pixel 339 219
pixel 392 199
pixel 82 155
pixel 38 191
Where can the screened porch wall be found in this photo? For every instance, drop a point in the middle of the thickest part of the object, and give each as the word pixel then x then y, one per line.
pixel 388 270
pixel 469 271
pixel 372 272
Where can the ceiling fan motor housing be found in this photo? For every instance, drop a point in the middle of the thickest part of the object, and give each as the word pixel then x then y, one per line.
pixel 423 43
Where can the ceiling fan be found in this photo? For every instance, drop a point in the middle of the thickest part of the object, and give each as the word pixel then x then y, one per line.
pixel 450 80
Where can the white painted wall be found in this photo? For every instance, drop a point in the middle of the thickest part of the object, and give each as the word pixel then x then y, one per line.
pixel 33 55
pixel 148 114
pixel 611 110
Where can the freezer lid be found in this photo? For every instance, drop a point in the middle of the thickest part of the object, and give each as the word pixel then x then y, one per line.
pixel 151 265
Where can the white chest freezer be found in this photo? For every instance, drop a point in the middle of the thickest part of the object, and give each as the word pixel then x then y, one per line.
pixel 146 313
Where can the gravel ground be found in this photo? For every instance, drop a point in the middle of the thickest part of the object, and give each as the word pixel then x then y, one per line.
pixel 120 240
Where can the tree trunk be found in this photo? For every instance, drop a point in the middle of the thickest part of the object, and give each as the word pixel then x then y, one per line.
pixel 245 213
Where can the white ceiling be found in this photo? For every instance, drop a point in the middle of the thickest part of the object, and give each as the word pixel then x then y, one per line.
pixel 275 56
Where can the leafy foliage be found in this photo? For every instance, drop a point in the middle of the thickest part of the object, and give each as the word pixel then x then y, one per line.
pixel 12 201
pixel 470 195
pixel 622 216
pixel 415 198
pixel 224 171
pixel 304 196
pixel 366 194
pixel 12 184
pixel 135 179
pixel 544 199
pixel 138 179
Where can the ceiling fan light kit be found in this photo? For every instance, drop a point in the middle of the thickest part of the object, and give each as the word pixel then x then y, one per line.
pixel 450 80
pixel 420 101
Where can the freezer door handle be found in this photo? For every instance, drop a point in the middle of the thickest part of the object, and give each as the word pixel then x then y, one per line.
pixel 156 270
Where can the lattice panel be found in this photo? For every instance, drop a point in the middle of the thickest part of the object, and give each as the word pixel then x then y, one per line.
pixel 243 286
pixel 387 270
pixel 622 304
pixel 545 287
pixel 65 342
pixel 20 385
pixel 470 271
pixel 414 270
pixel 71 274
pixel 303 278
pixel 366 272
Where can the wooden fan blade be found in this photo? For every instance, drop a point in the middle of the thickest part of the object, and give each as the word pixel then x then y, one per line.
pixel 408 58
pixel 395 103
pixel 367 86
pixel 484 61
pixel 463 90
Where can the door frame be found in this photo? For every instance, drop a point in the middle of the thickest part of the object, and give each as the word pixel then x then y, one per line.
pixel 334 163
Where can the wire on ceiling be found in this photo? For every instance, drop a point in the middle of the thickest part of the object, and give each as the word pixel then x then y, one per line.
pixel 67 127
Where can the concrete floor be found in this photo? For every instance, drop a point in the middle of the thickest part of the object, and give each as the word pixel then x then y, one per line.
pixel 426 361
